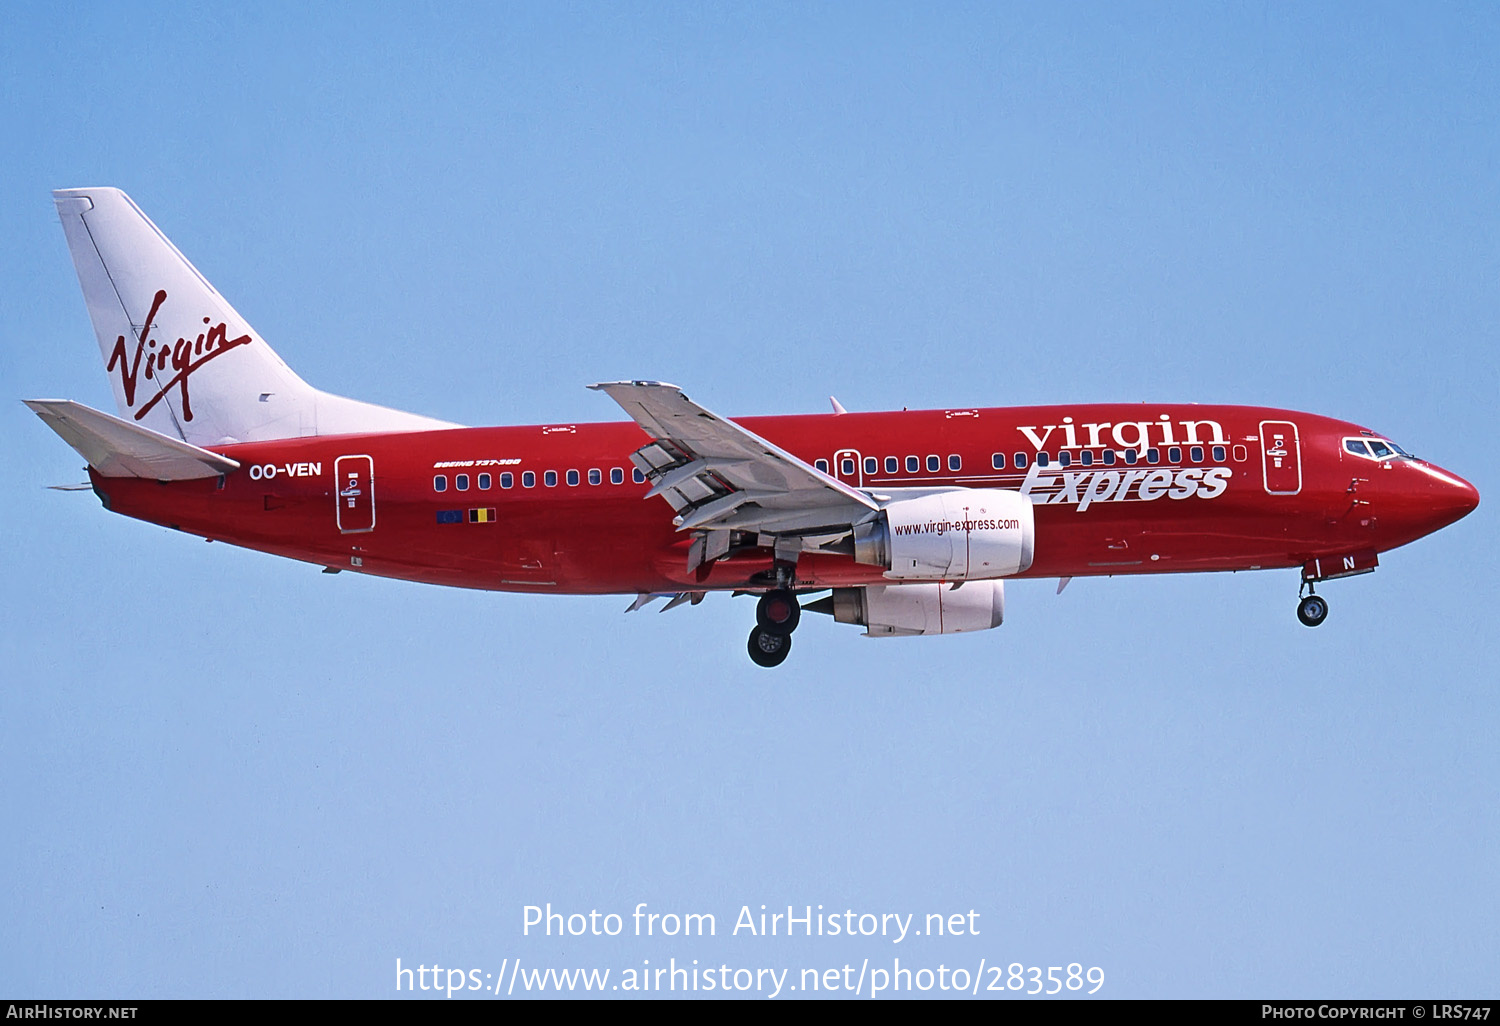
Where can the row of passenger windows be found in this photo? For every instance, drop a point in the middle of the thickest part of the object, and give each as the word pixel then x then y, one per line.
pixel 1020 460
pixel 893 465
pixel 914 464
pixel 528 479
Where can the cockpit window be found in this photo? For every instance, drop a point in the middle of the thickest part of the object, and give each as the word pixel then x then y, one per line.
pixel 1375 449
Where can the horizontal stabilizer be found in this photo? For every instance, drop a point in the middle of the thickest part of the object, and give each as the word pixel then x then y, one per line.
pixel 117 448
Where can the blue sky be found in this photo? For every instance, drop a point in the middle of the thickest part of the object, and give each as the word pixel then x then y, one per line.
pixel 230 775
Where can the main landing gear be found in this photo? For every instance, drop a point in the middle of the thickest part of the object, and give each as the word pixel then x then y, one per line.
pixel 776 616
pixel 1313 609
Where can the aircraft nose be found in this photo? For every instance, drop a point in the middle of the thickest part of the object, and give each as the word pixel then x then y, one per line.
pixel 1450 497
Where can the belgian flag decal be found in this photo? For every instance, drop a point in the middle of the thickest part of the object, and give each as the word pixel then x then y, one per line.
pixel 482 516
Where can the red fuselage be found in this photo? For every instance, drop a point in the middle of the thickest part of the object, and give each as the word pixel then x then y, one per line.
pixel 1117 489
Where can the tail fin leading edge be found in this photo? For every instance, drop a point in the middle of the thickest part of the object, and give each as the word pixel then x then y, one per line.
pixel 181 360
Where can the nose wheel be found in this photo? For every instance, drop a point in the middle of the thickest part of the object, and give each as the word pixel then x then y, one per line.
pixel 776 616
pixel 1312 610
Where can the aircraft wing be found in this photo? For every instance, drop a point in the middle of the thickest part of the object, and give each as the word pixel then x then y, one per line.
pixel 719 478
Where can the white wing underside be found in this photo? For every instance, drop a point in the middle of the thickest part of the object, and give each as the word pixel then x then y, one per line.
pixel 719 477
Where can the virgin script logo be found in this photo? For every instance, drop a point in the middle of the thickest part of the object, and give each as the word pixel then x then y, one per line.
pixel 182 356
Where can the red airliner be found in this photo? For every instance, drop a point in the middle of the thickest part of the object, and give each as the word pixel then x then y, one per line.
pixel 912 520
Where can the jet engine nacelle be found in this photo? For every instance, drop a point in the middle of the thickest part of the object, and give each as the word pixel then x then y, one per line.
pixel 897 610
pixel 964 534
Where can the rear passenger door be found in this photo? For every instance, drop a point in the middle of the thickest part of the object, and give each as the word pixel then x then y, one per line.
pixel 354 491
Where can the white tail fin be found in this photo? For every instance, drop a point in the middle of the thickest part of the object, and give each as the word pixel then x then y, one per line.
pixel 181 360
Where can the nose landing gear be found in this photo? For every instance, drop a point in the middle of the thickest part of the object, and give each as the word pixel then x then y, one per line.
pixel 776 616
pixel 1313 609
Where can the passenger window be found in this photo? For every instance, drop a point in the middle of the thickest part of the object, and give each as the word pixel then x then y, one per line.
pixel 934 464
pixel 528 479
pixel 1218 454
pixel 955 464
pixel 1197 452
pixel 913 464
pixel 440 483
pixel 461 482
pixel 872 465
pixel 572 477
pixel 595 477
pixel 616 475
pixel 1109 457
pixel 484 482
pixel 1153 455
pixel 846 467
pixel 1086 458
pixel 892 465
pixel 821 465
pixel 1174 455
pixel 1065 458
pixel 997 460
pixel 549 478
pixel 637 475
pixel 1021 461
pixel 1131 456
pixel 1041 459
pixel 507 480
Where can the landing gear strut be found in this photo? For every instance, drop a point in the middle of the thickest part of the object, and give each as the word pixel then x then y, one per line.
pixel 1312 610
pixel 776 616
